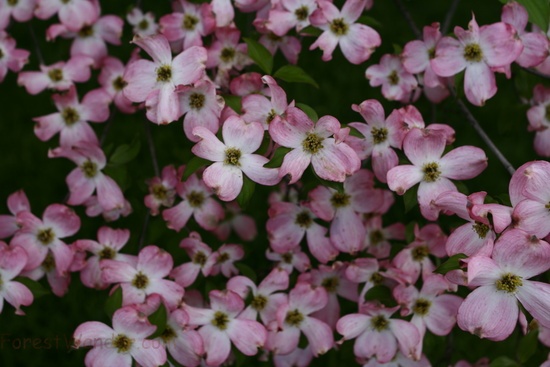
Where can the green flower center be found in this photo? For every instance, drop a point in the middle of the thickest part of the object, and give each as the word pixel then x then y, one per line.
pixel 294 318
pixel 106 253
pixel 122 343
pixel 376 237
pixel 393 78
pixel 119 83
pixel 379 323
pixel 12 2
pixel 339 199
pixel 49 263
pixel 159 191
pixel 379 135
pixel 287 258
pixel 196 199
pixel 189 22
pixel 420 253
pixel 232 156
pixel 140 281
pixel 46 236
pixel 301 13
pixel 376 278
pixel 164 73
pixel 421 306
pixel 196 101
pixel 70 116
pixel 143 25
pixel 313 143
pixel 473 53
pixel 509 283
pixel 89 168
pixel 339 27
pixel 431 172
pixel 168 334
pixel 55 75
pixel 200 258
pixel 331 284
pixel 259 302
pixel 303 219
pixel 431 53
pixel 481 229
pixel 227 55
pixel 223 257
pixel 270 116
pixel 86 31
pixel 220 320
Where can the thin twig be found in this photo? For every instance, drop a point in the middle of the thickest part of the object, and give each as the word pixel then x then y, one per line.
pixel 477 127
pixel 449 16
pixel 107 126
pixel 36 45
pixel 152 148
pixel 144 230
pixel 408 18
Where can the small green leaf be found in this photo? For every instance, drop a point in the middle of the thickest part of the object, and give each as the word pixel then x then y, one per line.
pixel 295 74
pixel 312 31
pixel 159 319
pixel 310 112
pixel 277 159
pixel 234 102
pixel 113 303
pixel 246 192
pixel 125 153
pixel 247 271
pixel 527 346
pixel 37 289
pixel 380 293
pixel 504 362
pixel 539 12
pixel 409 232
pixel 354 132
pixel 193 165
pixel 410 198
pixel 452 263
pixel 261 55
pixel 397 49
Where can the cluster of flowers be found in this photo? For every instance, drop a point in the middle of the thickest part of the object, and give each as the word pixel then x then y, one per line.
pixel 501 246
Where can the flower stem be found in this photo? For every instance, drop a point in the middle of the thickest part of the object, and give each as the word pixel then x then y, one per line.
pixel 408 18
pixel 449 16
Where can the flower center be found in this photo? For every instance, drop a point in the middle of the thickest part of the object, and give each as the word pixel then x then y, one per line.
pixel 122 343
pixel 270 116
pixel 379 135
pixel 223 257
pixel 86 31
pixel 220 320
pixel 159 191
pixel 379 323
pixel 473 53
pixel 259 302
pixel 331 284
pixel 46 236
pixel 12 2
pixel 431 172
pixel 119 83
pixel 164 73
pixel 232 156
pixel 393 78
pixel 273 37
pixel 421 306
pixel 1 282
pixel 106 253
pixel 339 199
pixel 55 75
pixel 1 53
pixel 227 54
pixel 70 116
pixel 140 281
pixel 303 219
pixel 196 101
pixel 143 25
pixel 287 258
pixel 49 263
pixel 419 253
pixel 339 27
pixel 89 168
pixel 168 334
pixel 481 229
pixel 313 143
pixel 376 278
pixel 189 22
pixel 294 318
pixel 509 283
pixel 301 13
pixel 200 258
pixel 431 53
pixel 196 199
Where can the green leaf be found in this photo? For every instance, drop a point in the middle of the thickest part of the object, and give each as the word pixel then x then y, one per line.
pixel 261 55
pixel 113 303
pixel 247 271
pixel 380 293
pixel 312 31
pixel 539 12
pixel 527 346
pixel 278 156
pixel 234 102
pixel 397 49
pixel 354 132
pixel 192 166
pixel 159 319
pixel 37 289
pixel 310 112
pixel 370 21
pixel 410 198
pixel 452 263
pixel 504 362
pixel 295 74
pixel 409 232
pixel 125 153
pixel 246 192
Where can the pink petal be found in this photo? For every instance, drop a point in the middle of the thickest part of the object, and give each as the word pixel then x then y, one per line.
pixel 225 180
pixel 247 335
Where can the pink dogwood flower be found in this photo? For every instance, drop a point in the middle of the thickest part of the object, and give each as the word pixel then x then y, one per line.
pixel 258 108
pixel 144 24
pixel 221 326
pixel 198 252
pixel 235 220
pixel 424 149
pixel 357 41
pixel 539 119
pixel 397 83
pixel 17 203
pixel 377 237
pixel 112 82
pixel 20 10
pixel 162 190
pixel 331 158
pixel 126 340
pixel 73 14
pixel 293 259
pixel 478 50
pixel 491 310
pixel 222 260
pixel 12 261
pixel 290 46
pixel 155 82
pixel 233 157
pixel 11 58
pixel 290 14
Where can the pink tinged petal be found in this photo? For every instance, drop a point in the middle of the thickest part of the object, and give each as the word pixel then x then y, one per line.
pixel 347 231
pixel 81 188
pixel 62 219
pixel 352 9
pixel 408 338
pixel 155 262
pixel 18 202
pixel 217 344
pixel 63 256
pixel 47 126
pixel 442 315
pixel 381 345
pixel 479 83
pixel 465 240
pixel 489 313
pixel 533 217
pixel 535 50
pixel 104 355
pixel 113 271
pixel 483 271
pixel 150 353
pixel 327 42
pixel 428 193
pixel 515 14
pixel 500 44
pixel 12 260
pixel 308 299
pixel 449 57
pixel 319 335
pixel 319 245
pixel 171 292
pixel 167 108
pixel 535 297
pixel 156 46
pixel 209 215
pixel 383 159
pixel 109 195
pixel 209 146
pixel 454 202
pixel 252 166
pixel 285 341
pixel 352 325
pixel 247 335
pixel 276 280
pixel 424 146
pixel 88 333
pixel 188 67
pixel 185 274
pixel 291 131
pixel 247 137
pixel 518 183
pixel 17 295
pixel 402 178
pixel 131 322
pixel 359 43
pixel 141 79
pixel 281 21
pixel 225 180
pixel 335 161
pixel 463 163
pixel 415 57
pixel 294 164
